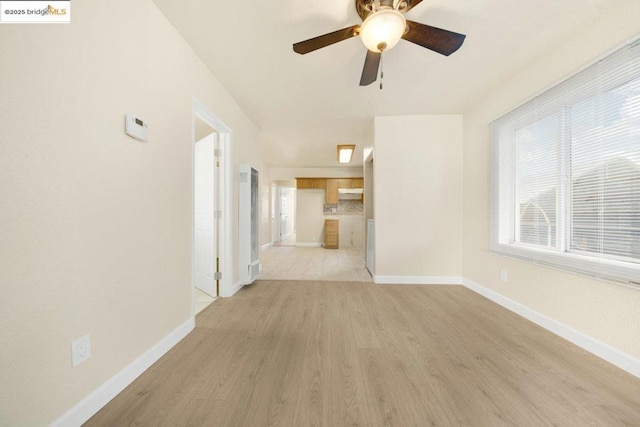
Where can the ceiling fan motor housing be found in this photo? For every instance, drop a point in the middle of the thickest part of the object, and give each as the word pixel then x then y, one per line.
pixel 367 7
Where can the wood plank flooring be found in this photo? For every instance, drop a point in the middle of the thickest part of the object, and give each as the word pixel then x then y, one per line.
pixel 295 353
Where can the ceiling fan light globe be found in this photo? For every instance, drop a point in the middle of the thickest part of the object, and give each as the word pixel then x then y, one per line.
pixel 382 30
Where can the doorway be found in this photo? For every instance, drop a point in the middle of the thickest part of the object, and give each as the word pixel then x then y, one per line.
pixel 211 254
pixel 205 224
pixel 283 214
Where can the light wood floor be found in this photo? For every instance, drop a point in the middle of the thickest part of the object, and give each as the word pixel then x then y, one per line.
pixel 346 353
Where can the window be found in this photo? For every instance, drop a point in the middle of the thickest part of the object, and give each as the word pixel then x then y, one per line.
pixel 566 173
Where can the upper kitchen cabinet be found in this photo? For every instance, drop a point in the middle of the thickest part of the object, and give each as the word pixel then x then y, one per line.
pixel 320 183
pixel 304 183
pixel 311 183
pixel 332 191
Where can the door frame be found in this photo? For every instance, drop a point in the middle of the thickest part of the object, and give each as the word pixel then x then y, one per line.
pixel 275 215
pixel 282 208
pixel 223 194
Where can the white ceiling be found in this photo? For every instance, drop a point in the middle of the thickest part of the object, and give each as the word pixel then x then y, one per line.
pixel 307 104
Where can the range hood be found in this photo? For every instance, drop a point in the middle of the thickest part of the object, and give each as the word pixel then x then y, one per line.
pixel 350 194
pixel 350 190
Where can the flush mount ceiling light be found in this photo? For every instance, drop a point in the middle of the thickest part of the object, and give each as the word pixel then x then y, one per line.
pixel 345 153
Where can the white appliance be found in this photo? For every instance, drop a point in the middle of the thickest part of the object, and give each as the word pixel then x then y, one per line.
pixel 248 224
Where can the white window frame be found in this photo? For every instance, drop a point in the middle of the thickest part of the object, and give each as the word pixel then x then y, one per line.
pixel 502 218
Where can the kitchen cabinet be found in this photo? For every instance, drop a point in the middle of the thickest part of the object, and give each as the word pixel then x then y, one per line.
pixel 304 183
pixel 331 234
pixel 331 196
pixel 320 183
pixel 311 183
pixel 344 183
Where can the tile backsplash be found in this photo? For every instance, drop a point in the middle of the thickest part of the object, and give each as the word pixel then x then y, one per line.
pixel 344 207
pixel 330 208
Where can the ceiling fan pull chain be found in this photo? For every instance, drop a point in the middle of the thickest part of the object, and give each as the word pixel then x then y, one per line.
pixel 381 72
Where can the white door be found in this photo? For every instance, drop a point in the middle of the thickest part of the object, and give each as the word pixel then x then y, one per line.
pixel 204 221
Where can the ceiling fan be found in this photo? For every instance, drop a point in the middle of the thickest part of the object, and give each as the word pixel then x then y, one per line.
pixel 382 28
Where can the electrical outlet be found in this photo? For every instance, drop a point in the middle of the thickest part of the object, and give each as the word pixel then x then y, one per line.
pixel 80 350
pixel 504 276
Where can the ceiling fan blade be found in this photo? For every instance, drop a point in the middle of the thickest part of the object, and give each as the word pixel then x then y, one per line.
pixel 325 40
pixel 436 39
pixel 370 70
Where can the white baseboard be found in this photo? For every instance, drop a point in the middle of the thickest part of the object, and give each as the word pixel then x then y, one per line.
pixel 309 244
pixel 91 404
pixel 604 351
pixel 266 245
pixel 417 280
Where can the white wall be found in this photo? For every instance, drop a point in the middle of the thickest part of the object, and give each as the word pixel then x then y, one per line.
pixel 310 217
pixel 418 196
pixel 598 309
pixel 95 226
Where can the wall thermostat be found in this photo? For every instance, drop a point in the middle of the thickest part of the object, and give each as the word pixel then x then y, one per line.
pixel 135 128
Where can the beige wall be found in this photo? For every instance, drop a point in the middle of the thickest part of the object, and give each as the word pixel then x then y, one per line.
pixel 309 216
pixel 96 227
pixel 418 195
pixel 598 309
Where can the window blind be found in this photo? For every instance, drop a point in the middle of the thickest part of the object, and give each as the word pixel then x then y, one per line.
pixel 566 173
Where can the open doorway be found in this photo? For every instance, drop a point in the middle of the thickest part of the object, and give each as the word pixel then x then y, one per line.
pixel 211 252
pixel 309 259
pixel 283 204
pixel 205 224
